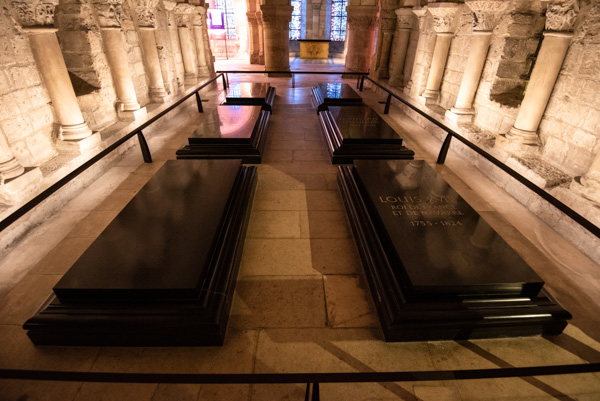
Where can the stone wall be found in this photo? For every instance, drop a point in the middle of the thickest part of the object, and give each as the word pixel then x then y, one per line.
pixel 26 117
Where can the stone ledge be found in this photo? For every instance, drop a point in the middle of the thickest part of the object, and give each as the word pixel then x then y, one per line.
pixel 539 172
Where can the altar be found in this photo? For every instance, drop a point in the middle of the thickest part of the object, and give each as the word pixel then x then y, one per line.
pixel 314 48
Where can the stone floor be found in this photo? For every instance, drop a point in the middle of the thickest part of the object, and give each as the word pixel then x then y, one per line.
pixel 301 303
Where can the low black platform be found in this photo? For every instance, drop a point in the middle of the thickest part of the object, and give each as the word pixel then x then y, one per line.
pixel 334 94
pixel 250 94
pixel 230 132
pixel 164 271
pixel 360 133
pixel 436 269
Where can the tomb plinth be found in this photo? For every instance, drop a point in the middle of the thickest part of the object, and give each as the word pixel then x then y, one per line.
pixel 335 94
pixel 360 133
pixel 229 132
pixel 250 94
pixel 164 270
pixel 314 48
pixel 437 270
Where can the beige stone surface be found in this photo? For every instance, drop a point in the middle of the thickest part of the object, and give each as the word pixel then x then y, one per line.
pixel 348 302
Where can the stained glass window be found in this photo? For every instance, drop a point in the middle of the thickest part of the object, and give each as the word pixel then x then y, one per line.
pixel 296 22
pixel 228 17
pixel 338 20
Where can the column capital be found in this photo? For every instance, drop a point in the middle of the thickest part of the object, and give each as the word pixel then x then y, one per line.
pixel 145 11
pixel 199 17
pixel 387 19
pixel 486 13
pixel 34 13
pixel 254 16
pixel 362 17
pixel 276 17
pixel 169 5
pixel 443 16
pixel 404 18
pixel 108 12
pixel 183 14
pixel 562 15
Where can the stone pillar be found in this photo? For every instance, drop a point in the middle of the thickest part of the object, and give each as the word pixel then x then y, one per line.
pixel 486 13
pixel 174 36
pixel 9 166
pixel 276 20
pixel 316 19
pixel 443 23
pixel 146 18
pixel 257 55
pixel 590 188
pixel 420 12
pixel 361 22
pixel 183 15
pixel 198 21
pixel 38 21
pixel 404 21
pixel 109 19
pixel 387 25
pixel 560 21
pixel 210 60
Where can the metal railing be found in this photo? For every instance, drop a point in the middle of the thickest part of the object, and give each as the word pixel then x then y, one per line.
pixel 582 221
pixel 292 73
pixel 135 132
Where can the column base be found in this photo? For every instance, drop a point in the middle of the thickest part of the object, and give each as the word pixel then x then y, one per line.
pixel 396 81
pixel 190 78
pixel 460 115
pixel 203 71
pixel 132 115
pixel 80 146
pixel 74 132
pixel 16 189
pixel 511 147
pixel 158 95
pixel 588 189
pixel 10 169
pixel 524 137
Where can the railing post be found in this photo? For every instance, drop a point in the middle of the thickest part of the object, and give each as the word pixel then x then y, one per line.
pixel 144 146
pixel 224 81
pixel 199 101
pixel 293 80
pixel 362 82
pixel 444 151
pixel 315 392
pixel 388 102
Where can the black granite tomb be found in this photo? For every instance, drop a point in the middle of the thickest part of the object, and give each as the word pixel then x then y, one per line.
pixel 437 270
pixel 163 272
pixel 229 132
pixel 250 94
pixel 360 133
pixel 334 94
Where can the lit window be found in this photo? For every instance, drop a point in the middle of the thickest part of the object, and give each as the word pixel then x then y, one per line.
pixel 296 22
pixel 228 18
pixel 338 20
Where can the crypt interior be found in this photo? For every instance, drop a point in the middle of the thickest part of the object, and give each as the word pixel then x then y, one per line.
pixel 517 78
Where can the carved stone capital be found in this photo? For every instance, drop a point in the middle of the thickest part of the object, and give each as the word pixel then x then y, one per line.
pixel 443 16
pixel 183 14
pixel 420 12
pixel 169 5
pixel 562 15
pixel 316 6
pixel 362 17
pixel 387 19
pixel 108 12
pixel 276 17
pixel 486 13
pixel 145 11
pixel 33 13
pixel 404 18
pixel 199 18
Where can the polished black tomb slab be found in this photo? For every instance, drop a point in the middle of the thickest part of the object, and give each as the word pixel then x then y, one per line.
pixel 250 93
pixel 360 133
pixel 437 270
pixel 164 270
pixel 229 132
pixel 334 94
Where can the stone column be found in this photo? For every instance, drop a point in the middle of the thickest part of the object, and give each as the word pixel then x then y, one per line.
pixel 257 55
pixel 486 14
pixel 174 36
pixel 9 166
pixel 38 21
pixel 387 25
pixel 590 188
pixel 404 21
pixel 361 22
pixel 420 12
pixel 443 23
pixel 316 19
pixel 560 21
pixel 210 60
pixel 198 21
pixel 276 20
pixel 183 15
pixel 146 18
pixel 109 19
